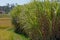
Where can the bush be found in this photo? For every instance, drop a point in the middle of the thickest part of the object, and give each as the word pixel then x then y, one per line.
pixel 38 20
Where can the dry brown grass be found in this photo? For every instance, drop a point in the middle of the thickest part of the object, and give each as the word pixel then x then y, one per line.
pixel 5 23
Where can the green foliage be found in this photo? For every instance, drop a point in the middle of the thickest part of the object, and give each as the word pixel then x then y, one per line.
pixel 38 20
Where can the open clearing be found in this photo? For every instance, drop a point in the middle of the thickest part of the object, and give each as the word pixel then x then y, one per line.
pixel 5 22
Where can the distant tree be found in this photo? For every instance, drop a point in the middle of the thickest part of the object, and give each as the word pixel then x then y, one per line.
pixel 8 7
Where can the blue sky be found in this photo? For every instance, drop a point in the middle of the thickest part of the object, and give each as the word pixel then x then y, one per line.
pixel 4 2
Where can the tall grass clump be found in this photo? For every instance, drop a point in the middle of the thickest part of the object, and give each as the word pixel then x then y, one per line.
pixel 37 20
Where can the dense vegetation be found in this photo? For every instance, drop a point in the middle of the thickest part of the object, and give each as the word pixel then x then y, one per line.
pixel 37 20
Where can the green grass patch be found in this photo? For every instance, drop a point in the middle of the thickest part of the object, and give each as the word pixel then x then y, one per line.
pixel 8 35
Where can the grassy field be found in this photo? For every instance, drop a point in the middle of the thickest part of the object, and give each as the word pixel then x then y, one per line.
pixel 5 22
pixel 9 35
pixel 6 28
